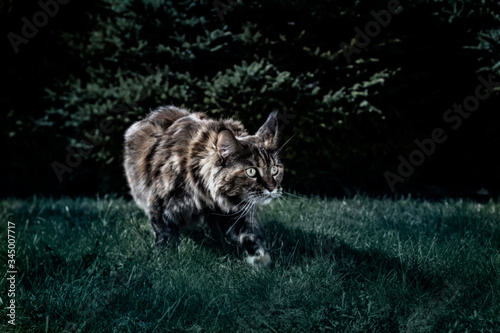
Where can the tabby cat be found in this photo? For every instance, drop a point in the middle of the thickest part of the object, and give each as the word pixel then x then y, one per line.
pixel 184 167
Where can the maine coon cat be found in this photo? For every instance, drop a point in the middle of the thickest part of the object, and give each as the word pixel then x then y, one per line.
pixel 184 167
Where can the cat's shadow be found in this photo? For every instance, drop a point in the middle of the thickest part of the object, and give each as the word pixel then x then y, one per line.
pixel 291 247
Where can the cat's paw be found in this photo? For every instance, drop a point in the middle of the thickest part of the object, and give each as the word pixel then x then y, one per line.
pixel 260 259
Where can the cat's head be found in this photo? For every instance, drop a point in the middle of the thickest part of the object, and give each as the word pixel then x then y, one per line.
pixel 250 166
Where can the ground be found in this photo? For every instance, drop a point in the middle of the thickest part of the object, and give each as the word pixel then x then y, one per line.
pixel 353 265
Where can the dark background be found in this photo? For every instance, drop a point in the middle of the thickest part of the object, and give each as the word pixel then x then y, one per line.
pixel 115 60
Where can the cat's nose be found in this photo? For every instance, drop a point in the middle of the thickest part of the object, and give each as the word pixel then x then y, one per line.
pixel 270 187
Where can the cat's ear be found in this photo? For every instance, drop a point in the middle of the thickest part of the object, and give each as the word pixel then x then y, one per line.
pixel 227 144
pixel 269 131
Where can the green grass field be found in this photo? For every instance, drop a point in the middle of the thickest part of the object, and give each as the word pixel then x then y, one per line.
pixel 354 265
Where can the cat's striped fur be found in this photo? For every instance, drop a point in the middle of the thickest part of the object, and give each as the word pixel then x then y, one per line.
pixel 184 167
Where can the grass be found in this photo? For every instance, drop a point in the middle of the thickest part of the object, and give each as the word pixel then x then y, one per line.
pixel 354 265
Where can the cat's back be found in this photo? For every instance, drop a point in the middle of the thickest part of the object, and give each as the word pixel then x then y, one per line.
pixel 143 137
pixel 172 130
pixel 155 124
pixel 143 142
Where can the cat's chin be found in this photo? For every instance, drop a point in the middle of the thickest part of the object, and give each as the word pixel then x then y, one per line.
pixel 265 201
pixel 267 198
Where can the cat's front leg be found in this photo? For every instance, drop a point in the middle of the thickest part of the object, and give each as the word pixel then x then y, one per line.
pixel 166 228
pixel 252 241
pixel 255 251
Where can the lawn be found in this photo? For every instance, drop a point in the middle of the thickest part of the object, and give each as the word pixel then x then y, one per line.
pixel 353 265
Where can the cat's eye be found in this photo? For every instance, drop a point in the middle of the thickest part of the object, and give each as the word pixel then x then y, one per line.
pixel 251 172
pixel 274 170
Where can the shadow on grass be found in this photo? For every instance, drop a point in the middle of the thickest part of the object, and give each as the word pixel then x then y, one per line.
pixel 292 246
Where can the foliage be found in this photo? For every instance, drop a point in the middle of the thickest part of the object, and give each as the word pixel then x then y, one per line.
pixel 356 265
pixel 349 118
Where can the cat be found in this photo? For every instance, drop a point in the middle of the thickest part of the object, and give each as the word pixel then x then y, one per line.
pixel 183 167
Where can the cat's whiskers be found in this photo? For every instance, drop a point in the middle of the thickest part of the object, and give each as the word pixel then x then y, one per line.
pixel 238 211
pixel 283 145
pixel 246 209
pixel 294 195
pixel 289 204
pixel 279 201
pixel 254 212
